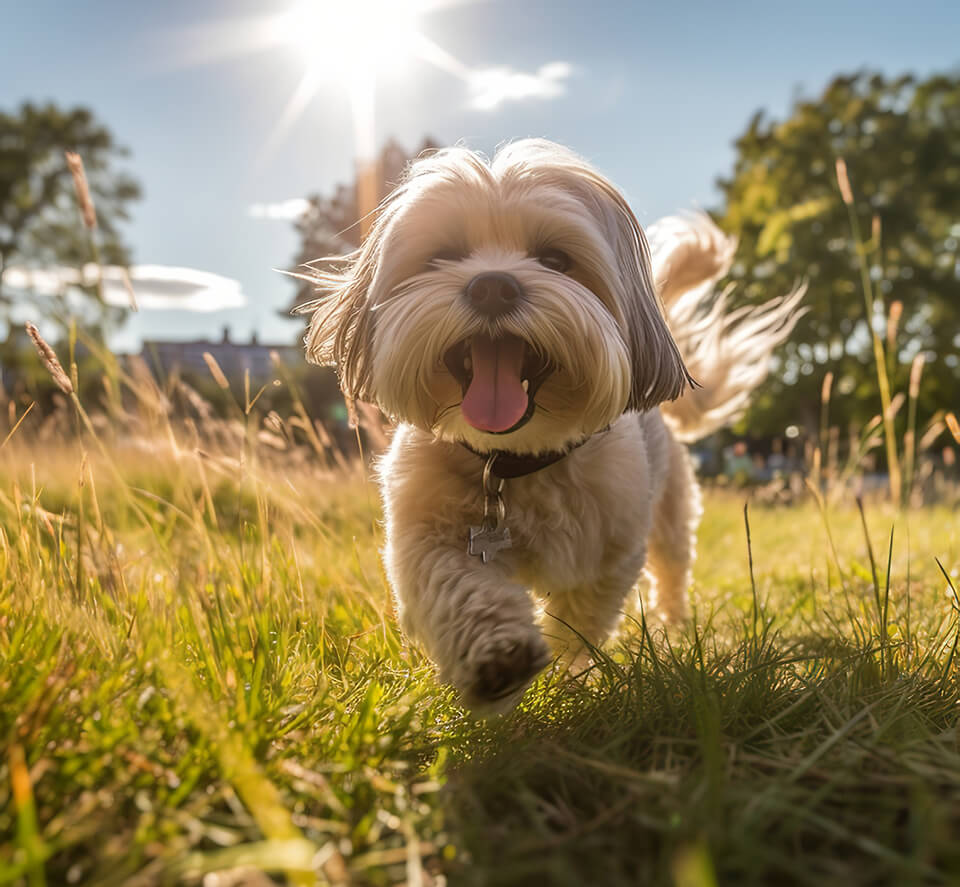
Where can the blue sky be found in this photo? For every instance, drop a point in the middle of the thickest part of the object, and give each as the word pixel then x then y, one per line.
pixel 653 93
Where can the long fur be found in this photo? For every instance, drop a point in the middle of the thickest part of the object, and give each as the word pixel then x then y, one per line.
pixel 727 352
pixel 625 498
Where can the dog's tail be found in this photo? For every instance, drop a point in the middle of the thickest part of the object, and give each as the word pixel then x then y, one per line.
pixel 726 351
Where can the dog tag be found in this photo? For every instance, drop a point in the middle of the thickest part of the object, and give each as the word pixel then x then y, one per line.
pixel 491 536
pixel 485 542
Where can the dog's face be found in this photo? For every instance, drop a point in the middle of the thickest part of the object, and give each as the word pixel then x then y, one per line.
pixel 509 306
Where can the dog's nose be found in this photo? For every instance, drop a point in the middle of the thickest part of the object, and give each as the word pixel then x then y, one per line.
pixel 493 293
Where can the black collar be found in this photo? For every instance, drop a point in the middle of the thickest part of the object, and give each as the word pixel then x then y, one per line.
pixel 509 465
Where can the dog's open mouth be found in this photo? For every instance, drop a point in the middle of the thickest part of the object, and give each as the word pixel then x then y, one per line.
pixel 499 378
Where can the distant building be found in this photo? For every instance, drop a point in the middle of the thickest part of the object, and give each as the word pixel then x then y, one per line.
pixel 234 358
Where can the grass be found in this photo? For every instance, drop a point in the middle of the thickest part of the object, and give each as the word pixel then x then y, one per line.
pixel 201 681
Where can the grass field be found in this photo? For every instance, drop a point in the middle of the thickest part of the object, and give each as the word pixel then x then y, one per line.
pixel 201 680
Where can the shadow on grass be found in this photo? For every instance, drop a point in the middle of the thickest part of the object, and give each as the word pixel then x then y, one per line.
pixel 764 762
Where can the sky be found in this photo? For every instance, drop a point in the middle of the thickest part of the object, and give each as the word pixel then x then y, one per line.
pixel 654 94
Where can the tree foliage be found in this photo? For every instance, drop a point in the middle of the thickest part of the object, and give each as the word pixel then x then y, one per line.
pixel 40 223
pixel 331 224
pixel 901 142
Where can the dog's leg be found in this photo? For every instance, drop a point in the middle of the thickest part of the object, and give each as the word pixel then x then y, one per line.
pixel 672 538
pixel 578 618
pixel 475 622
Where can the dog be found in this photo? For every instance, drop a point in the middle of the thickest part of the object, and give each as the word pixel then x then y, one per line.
pixel 545 366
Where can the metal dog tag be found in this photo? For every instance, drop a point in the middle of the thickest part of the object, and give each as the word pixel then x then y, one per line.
pixel 486 542
pixel 491 536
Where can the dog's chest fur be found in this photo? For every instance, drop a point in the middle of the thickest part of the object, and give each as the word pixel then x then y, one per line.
pixel 568 522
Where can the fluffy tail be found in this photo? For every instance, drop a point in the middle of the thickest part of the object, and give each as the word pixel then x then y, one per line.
pixel 727 352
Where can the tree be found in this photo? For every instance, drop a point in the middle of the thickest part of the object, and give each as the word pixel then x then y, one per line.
pixel 40 222
pixel 331 225
pixel 901 142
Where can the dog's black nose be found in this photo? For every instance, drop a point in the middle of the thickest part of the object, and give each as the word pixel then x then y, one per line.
pixel 493 293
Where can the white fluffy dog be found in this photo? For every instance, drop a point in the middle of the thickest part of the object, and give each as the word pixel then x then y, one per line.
pixel 506 315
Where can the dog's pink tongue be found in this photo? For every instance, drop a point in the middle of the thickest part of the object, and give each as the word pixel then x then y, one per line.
pixel 495 400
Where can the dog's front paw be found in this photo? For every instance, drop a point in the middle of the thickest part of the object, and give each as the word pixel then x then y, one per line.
pixel 500 665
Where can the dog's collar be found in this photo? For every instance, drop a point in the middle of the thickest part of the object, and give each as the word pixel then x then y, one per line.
pixel 509 465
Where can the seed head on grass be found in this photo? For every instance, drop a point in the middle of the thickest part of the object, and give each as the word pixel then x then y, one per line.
pixel 843 180
pixel 895 405
pixel 215 371
pixel 82 188
pixel 893 322
pixel 916 372
pixel 933 431
pixel 954 426
pixel 49 358
pixel 826 388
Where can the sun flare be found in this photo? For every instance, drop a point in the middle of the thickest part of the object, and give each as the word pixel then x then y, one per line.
pixel 349 45
pixel 336 39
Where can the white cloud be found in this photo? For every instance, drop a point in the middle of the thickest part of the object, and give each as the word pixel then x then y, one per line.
pixel 282 210
pixel 491 87
pixel 157 287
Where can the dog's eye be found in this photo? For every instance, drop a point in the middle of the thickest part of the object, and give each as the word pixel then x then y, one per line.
pixel 451 254
pixel 554 259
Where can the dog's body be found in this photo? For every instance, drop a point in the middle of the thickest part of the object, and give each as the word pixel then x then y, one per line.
pixel 582 530
pixel 510 310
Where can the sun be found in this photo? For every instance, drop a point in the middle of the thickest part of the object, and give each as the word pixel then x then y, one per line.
pixel 351 44
pixel 339 40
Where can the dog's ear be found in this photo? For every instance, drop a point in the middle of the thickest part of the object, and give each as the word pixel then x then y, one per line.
pixel 341 324
pixel 658 370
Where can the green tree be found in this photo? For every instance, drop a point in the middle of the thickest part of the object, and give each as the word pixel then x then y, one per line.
pixel 40 222
pixel 901 142
pixel 331 224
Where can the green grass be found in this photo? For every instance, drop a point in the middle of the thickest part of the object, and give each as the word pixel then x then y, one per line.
pixel 200 672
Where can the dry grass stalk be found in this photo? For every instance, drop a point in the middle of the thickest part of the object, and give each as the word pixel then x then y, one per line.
pixel 894 406
pixel 825 391
pixel 82 189
pixel 916 371
pixel 274 423
pixel 18 422
pixel 954 426
pixel 203 408
pixel 376 426
pixel 833 450
pixel 934 430
pixel 128 286
pixel 353 419
pixel 893 322
pixel 49 358
pixel 268 438
pixel 215 370
pixel 879 357
pixel 910 438
pixel 846 192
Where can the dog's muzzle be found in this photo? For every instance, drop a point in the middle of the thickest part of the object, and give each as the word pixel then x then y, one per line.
pixel 499 377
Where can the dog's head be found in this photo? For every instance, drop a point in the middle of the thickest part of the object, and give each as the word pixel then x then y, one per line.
pixel 509 305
